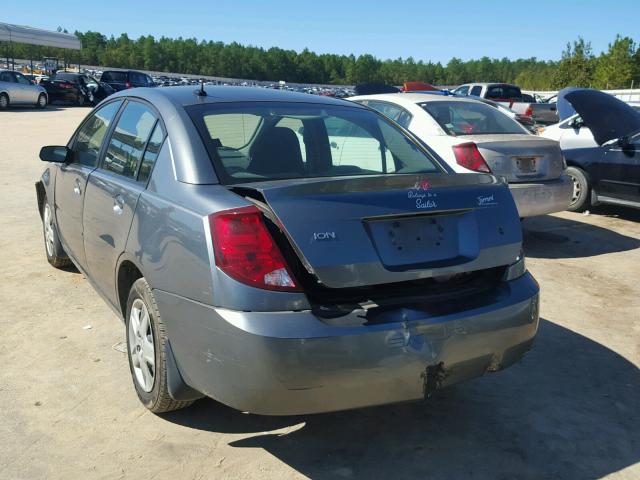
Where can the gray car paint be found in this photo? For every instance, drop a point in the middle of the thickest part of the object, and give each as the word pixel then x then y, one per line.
pixel 264 351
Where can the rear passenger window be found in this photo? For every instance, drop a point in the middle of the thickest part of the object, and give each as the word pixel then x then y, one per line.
pixel 88 142
pixel 129 139
pixel 394 112
pixel 477 90
pixel 6 77
pixel 151 153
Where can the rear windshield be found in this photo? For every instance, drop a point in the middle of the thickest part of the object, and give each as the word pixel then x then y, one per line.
pixel 71 77
pixel 269 141
pixel 471 118
pixel 114 77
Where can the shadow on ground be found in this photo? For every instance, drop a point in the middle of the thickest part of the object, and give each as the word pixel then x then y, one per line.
pixel 567 411
pixel 29 108
pixel 555 237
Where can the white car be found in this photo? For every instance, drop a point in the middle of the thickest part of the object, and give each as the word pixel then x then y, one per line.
pixel 474 137
pixel 571 133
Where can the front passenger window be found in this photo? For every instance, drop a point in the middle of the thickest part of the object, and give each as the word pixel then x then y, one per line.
pixel 129 139
pixel 86 147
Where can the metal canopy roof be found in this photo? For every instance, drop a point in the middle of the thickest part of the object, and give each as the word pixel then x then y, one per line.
pixel 37 36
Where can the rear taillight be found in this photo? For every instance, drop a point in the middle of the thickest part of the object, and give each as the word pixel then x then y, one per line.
pixel 245 250
pixel 529 111
pixel 65 85
pixel 468 156
pixel 128 85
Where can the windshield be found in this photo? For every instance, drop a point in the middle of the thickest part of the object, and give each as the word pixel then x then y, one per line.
pixel 471 118
pixel 267 141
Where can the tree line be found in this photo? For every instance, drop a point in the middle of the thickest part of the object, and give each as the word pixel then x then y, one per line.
pixel 617 67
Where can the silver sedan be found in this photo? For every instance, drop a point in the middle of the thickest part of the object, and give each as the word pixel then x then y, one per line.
pixel 16 89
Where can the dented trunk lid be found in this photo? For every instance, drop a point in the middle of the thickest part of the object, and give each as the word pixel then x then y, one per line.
pixel 362 231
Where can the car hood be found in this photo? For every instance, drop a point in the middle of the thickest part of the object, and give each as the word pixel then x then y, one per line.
pixel 606 116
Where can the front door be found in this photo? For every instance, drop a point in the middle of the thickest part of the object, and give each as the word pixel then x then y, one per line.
pixel 620 172
pixel 71 179
pixel 112 194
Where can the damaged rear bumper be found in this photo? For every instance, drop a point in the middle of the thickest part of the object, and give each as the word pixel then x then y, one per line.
pixel 284 363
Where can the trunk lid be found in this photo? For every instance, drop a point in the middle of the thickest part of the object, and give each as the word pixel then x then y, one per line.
pixel 520 158
pixel 362 231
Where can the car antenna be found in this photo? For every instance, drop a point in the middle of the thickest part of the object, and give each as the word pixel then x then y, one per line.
pixel 200 92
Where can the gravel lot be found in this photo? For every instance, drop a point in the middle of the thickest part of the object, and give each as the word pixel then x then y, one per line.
pixel 569 410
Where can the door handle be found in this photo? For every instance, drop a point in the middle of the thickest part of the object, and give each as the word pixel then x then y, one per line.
pixel 76 189
pixel 118 204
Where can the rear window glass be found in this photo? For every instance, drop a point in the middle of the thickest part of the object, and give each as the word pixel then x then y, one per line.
pixel 471 118
pixel 114 77
pixel 70 77
pixel 268 141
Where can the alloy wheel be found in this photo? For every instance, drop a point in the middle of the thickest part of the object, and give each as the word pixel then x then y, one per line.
pixel 141 345
pixel 49 240
pixel 577 190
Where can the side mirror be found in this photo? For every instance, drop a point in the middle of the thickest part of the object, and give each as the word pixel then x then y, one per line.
pixel 54 153
pixel 576 123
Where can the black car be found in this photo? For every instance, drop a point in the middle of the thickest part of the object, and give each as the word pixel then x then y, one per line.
pixel 610 172
pixel 123 79
pixel 76 88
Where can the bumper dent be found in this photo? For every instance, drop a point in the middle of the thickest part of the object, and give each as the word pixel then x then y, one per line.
pixel 245 360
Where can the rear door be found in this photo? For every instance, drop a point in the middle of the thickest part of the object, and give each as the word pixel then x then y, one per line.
pixel 71 178
pixel 113 190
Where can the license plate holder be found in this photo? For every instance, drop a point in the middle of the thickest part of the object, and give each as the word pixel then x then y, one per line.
pixel 527 165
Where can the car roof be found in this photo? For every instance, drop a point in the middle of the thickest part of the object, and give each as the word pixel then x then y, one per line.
pixel 488 83
pixel 187 95
pixel 414 98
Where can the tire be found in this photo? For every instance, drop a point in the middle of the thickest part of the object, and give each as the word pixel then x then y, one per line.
pixel 56 255
pixel 42 101
pixel 581 198
pixel 4 101
pixel 146 340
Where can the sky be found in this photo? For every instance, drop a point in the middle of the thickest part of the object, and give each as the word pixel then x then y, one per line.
pixel 422 29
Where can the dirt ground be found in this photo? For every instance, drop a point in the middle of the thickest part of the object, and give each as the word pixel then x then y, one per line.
pixel 569 410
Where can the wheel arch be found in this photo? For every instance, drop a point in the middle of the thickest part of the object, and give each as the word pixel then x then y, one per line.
pixel 127 272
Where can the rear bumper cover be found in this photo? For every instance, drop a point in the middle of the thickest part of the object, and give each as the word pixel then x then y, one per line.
pixel 540 198
pixel 285 363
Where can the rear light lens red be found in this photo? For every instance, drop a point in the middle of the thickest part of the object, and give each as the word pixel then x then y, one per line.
pixel 128 85
pixel 468 156
pixel 65 85
pixel 245 250
pixel 529 111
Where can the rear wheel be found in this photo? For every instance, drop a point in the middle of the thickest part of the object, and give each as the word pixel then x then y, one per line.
pixel 4 101
pixel 580 199
pixel 42 101
pixel 53 248
pixel 147 350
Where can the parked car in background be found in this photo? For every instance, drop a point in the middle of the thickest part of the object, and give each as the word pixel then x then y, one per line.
pixel 76 88
pixel 600 139
pixel 124 79
pixel 512 97
pixel 16 89
pixel 474 137
pixel 274 275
